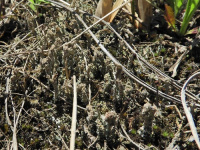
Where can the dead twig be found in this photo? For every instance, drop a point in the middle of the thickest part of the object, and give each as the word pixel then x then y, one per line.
pixel 74 116
pixel 187 111
pixel 65 145
pixel 7 96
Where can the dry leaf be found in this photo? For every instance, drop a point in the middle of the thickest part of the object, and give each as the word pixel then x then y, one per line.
pixel 103 8
pixel 128 7
pixel 116 4
pixel 169 16
pixel 145 13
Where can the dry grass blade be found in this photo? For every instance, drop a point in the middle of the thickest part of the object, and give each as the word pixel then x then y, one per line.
pixel 15 143
pixel 128 7
pixel 6 99
pixel 116 4
pixel 144 12
pixel 187 112
pixel 175 66
pixel 103 8
pixel 74 114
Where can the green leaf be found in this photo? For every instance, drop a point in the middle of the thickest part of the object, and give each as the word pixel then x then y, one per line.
pixel 194 31
pixel 42 1
pixel 32 1
pixel 177 6
pixel 32 6
pixel 191 7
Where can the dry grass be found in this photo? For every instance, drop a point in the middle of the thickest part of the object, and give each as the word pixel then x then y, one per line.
pixel 126 97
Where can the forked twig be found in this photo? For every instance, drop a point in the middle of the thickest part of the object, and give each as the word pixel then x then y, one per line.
pixel 13 127
pixel 14 144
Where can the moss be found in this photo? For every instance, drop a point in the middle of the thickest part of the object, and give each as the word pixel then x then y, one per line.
pixel 165 134
pixel 163 50
pixel 149 144
pixel 113 52
pixel 156 54
pixel 79 143
pixel 46 146
pixel 35 143
pixel 6 128
pixel 171 135
pixel 49 106
pixel 133 131
pixel 189 68
pixel 42 114
pixel 155 127
pixel 21 141
pixel 27 127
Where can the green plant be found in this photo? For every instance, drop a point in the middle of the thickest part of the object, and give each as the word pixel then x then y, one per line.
pixel 171 135
pixel 155 127
pixel 175 7
pixel 6 128
pixel 165 134
pixel 133 131
pixel 34 4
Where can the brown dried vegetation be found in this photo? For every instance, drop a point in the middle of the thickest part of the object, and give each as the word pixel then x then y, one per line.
pixel 114 111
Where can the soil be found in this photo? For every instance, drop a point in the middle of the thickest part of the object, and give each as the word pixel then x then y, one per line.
pixel 39 60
